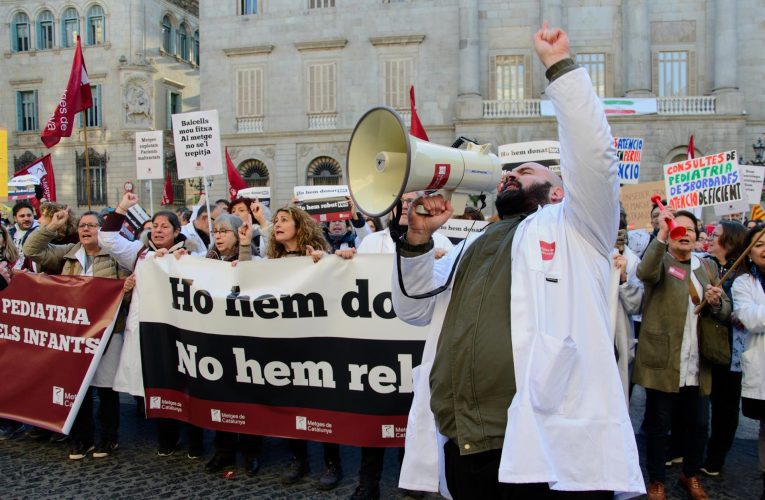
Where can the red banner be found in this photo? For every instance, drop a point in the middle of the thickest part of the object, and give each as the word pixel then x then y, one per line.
pixel 42 168
pixel 235 181
pixel 53 331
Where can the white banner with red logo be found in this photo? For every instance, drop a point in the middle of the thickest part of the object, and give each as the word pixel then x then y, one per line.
pixel 283 347
pixel 53 331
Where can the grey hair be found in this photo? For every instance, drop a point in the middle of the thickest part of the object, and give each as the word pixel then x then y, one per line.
pixel 228 221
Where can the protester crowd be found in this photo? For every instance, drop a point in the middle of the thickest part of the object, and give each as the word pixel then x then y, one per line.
pixel 685 324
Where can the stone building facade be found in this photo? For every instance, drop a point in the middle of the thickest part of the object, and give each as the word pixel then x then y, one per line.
pixel 290 78
pixel 142 59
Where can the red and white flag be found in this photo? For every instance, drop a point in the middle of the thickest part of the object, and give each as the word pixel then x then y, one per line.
pixel 691 149
pixel 235 181
pixel 416 129
pixel 42 168
pixel 167 194
pixel 77 97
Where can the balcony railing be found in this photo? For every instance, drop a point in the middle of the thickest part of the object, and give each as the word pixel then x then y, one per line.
pixel 249 125
pixel 516 108
pixel 693 105
pixel 322 121
pixel 530 108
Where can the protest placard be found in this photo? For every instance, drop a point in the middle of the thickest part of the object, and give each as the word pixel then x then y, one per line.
pixel 197 144
pixel 546 153
pixel 636 199
pixel 324 203
pixel 149 155
pixel 262 194
pixel 752 177
pixel 629 151
pixel 459 229
pixel 704 181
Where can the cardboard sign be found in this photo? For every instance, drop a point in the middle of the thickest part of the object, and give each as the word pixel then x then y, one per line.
pixel 636 199
pixel 628 150
pixel 704 181
pixel 149 155
pixel 197 144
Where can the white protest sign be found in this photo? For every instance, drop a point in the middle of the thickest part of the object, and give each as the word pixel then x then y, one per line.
pixel 628 150
pixel 197 144
pixel 752 177
pixel 303 193
pixel 736 207
pixel 149 154
pixel 459 229
pixel 262 194
pixel 546 153
pixel 704 181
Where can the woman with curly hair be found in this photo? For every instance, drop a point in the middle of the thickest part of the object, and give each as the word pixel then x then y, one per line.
pixel 294 233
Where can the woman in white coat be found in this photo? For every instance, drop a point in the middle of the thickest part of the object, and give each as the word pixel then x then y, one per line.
pixel 749 336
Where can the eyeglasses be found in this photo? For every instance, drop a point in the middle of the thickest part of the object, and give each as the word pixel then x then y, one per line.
pixel 221 231
pixel 86 224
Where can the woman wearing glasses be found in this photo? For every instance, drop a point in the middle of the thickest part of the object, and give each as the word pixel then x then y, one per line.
pixel 87 258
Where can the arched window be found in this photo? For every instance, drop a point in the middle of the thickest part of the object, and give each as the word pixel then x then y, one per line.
pixel 167 35
pixel 183 46
pixel 96 25
pixel 254 172
pixel 196 47
pixel 324 171
pixel 45 23
pixel 20 32
pixel 70 24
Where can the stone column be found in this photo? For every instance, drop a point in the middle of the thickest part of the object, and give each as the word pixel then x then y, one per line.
pixel 725 85
pixel 469 99
pixel 637 48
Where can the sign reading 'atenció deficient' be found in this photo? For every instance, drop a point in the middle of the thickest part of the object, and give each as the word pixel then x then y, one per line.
pixel 703 182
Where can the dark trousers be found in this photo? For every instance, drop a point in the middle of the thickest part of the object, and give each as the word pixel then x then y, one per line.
pixel 299 449
pixel 694 414
pixel 475 476
pixel 228 443
pixel 372 461
pixel 83 429
pixel 169 433
pixel 725 397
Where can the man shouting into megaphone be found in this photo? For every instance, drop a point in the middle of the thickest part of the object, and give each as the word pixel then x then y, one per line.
pixel 518 393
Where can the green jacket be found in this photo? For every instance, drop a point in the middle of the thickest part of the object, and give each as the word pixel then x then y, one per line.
pixel 62 259
pixel 665 308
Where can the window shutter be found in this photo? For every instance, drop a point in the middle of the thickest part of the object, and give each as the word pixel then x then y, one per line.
pixel 332 88
pixel 35 122
pixel 493 77
pixel 19 113
pixel 527 77
pixel 97 105
pixel 258 97
pixel 692 74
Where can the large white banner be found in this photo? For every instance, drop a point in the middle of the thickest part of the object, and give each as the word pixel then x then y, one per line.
pixel 280 347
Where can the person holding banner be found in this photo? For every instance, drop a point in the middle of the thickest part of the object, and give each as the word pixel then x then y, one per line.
pixel 87 258
pixel 749 336
pixel 8 257
pixel 518 394
pixel 294 233
pixel 669 363
pixel 164 238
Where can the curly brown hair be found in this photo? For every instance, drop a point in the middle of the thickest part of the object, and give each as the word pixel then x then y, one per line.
pixel 308 232
pixel 8 251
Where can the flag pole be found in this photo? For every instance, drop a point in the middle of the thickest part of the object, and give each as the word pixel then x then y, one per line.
pixel 209 214
pixel 87 160
pixel 151 197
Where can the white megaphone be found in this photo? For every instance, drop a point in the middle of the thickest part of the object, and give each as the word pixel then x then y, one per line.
pixel 384 162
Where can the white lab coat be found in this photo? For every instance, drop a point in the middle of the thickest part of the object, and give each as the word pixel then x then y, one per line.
pixel 567 425
pixel 381 242
pixel 749 309
pixel 625 300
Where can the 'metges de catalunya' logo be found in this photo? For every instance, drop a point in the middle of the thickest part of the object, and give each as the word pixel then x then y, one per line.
pixel 63 398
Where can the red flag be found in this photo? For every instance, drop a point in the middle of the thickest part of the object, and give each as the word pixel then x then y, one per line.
pixel 235 181
pixel 167 194
pixel 416 129
pixel 76 98
pixel 691 149
pixel 42 168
